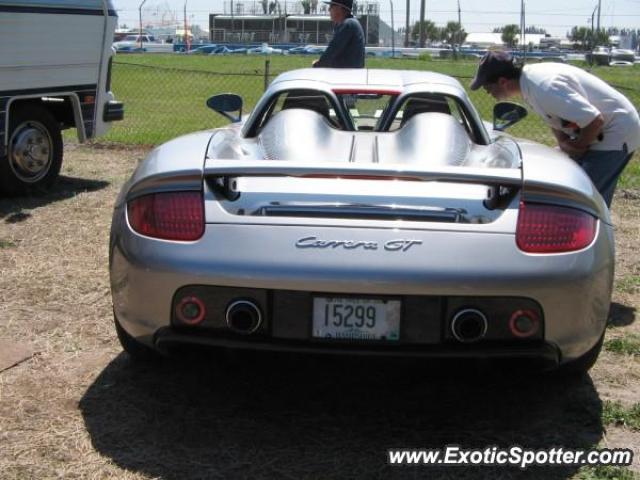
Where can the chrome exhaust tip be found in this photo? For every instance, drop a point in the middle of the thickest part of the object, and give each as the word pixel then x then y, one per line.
pixel 243 317
pixel 469 325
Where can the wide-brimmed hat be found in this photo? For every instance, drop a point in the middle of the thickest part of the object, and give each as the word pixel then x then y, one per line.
pixel 494 64
pixel 346 4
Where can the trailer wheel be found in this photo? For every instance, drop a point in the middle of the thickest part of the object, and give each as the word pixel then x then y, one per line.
pixel 34 151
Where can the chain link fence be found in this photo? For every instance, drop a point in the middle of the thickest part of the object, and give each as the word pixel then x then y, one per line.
pixel 163 101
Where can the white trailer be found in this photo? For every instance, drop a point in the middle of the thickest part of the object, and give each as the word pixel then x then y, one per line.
pixel 55 73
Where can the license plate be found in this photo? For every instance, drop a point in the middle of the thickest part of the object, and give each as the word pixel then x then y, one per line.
pixel 356 318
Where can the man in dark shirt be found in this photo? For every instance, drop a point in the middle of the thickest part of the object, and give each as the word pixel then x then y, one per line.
pixel 346 49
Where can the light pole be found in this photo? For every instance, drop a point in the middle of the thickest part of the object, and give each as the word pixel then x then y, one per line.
pixel 523 37
pixel 393 33
pixel 458 39
pixel 406 27
pixel 186 34
pixel 140 22
pixel 421 28
pixel 592 43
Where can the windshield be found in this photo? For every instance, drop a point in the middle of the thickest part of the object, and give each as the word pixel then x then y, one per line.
pixel 365 109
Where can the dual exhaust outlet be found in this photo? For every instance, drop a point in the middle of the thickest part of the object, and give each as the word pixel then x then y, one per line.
pixel 243 317
pixel 469 325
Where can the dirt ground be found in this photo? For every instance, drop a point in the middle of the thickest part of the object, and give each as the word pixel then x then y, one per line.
pixel 75 406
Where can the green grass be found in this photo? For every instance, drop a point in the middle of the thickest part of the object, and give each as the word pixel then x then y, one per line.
pixel 630 283
pixel 165 95
pixel 161 104
pixel 606 473
pixel 631 176
pixel 627 345
pixel 614 413
pixel 6 243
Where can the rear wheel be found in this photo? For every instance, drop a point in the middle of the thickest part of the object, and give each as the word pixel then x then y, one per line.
pixel 34 152
pixel 136 350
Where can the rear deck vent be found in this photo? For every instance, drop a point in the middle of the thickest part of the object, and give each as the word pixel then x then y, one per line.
pixel 366 212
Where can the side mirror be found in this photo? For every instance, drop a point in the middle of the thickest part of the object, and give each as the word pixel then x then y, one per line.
pixel 506 114
pixel 225 103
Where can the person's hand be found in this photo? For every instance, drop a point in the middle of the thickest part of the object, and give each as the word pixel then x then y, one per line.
pixel 570 149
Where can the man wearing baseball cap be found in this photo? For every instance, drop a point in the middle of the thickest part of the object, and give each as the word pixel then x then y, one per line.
pixel 593 123
pixel 346 49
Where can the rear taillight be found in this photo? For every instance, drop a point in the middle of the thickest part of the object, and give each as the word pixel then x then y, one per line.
pixel 553 229
pixel 170 216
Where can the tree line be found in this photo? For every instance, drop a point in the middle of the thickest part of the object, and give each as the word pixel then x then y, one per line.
pixel 452 33
pixel 583 38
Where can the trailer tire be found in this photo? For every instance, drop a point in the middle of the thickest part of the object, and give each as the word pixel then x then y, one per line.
pixel 34 151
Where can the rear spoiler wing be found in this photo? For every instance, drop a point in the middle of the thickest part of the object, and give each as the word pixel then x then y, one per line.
pixel 215 168
pixel 502 183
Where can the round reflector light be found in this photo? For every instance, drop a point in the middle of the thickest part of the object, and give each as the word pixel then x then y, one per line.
pixel 524 323
pixel 190 310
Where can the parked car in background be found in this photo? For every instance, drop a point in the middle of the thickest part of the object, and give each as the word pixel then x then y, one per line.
pixel 600 55
pixel 622 55
pixel 55 73
pixel 265 49
pixel 142 43
pixel 364 212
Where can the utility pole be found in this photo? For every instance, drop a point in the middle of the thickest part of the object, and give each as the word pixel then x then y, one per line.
pixel 406 27
pixel 458 40
pixel 523 27
pixel 186 33
pixel 393 33
pixel 592 42
pixel 421 29
pixel 599 9
pixel 231 6
pixel 140 24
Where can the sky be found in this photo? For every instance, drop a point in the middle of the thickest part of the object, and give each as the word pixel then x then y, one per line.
pixel 477 16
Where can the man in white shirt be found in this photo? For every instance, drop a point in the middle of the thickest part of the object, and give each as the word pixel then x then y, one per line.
pixel 593 123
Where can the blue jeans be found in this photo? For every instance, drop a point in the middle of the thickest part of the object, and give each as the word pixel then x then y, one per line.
pixel 604 168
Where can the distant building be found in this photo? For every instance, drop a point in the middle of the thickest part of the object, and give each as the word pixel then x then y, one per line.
pixel 494 40
pixel 386 34
pixel 272 21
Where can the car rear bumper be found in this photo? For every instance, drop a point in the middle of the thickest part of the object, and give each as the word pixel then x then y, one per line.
pixel 573 291
pixel 544 354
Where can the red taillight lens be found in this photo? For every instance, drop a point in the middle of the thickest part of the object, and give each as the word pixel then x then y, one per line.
pixel 552 229
pixel 170 216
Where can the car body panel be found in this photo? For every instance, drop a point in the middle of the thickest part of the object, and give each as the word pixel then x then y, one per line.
pixel 233 255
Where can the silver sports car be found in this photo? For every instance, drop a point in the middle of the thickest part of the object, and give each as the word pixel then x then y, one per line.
pixel 363 212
